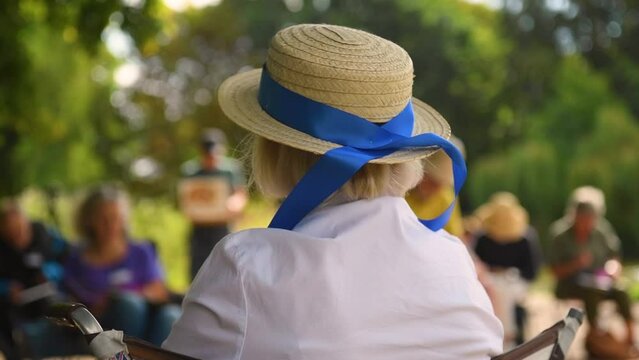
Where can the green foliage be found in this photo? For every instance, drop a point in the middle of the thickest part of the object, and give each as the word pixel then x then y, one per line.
pixel 609 159
pixel 460 64
pixel 581 136
pixel 576 94
pixel 52 107
pixel 531 171
pixel 61 122
pixel 476 50
pixel 158 221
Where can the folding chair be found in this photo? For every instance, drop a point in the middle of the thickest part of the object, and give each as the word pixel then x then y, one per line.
pixel 551 344
pixel 111 344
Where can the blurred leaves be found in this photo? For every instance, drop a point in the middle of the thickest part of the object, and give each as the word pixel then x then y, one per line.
pixel 583 135
pixel 56 88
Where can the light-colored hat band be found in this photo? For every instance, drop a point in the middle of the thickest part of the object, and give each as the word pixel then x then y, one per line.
pixel 361 140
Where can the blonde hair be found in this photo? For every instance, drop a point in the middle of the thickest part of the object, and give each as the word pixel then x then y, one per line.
pixel 276 169
pixel 86 212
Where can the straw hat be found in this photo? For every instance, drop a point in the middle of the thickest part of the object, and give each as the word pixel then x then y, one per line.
pixel 503 219
pixel 352 70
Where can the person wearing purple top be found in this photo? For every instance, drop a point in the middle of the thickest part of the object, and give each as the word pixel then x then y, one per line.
pixel 121 281
pixel 90 284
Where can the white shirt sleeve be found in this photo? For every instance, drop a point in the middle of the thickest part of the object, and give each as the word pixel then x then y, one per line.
pixel 213 321
pixel 466 324
pixel 466 320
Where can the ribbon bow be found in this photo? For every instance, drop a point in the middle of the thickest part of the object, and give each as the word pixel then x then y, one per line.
pixel 361 140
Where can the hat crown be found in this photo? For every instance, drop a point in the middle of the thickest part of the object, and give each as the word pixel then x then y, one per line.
pixel 352 70
pixel 341 35
pixel 505 219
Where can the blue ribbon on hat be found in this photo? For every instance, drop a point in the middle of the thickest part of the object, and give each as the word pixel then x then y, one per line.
pixel 361 140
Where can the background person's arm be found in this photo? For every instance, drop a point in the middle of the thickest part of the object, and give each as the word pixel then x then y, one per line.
pixel 236 203
pixel 612 242
pixel 567 268
pixel 156 292
pixel 152 275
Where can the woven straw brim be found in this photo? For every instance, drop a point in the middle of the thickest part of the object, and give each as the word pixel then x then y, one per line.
pixel 238 100
pixel 505 222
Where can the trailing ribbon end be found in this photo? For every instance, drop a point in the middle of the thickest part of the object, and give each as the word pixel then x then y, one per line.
pixel 315 187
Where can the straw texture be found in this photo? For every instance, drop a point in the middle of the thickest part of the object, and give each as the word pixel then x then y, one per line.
pixel 503 218
pixel 348 69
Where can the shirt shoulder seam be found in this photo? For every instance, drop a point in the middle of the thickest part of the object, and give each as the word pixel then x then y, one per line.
pixel 240 273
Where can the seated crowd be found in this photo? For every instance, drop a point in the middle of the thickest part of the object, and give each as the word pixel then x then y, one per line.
pixel 118 278
pixel 583 255
pixel 121 280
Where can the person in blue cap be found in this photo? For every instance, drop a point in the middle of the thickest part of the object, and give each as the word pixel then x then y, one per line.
pixel 345 270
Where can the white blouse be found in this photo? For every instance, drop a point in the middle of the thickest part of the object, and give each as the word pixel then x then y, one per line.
pixel 361 280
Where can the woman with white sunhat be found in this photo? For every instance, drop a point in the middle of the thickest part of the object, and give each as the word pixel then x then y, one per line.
pixel 345 269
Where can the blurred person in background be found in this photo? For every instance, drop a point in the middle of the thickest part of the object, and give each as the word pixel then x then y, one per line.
pixel 585 194
pixel 120 280
pixel 435 192
pixel 212 195
pixel 509 247
pixel 585 259
pixel 30 271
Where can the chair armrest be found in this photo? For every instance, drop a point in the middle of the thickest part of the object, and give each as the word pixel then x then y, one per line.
pixel 78 316
pixel 550 344
pixel 74 315
pixel 142 350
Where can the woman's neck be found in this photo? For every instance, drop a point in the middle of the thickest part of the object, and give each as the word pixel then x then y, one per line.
pixel 107 252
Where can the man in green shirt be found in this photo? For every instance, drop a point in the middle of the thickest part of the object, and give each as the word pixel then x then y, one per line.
pixel 584 259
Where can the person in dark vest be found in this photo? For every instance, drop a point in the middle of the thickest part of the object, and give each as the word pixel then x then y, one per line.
pixel 509 247
pixel 212 195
